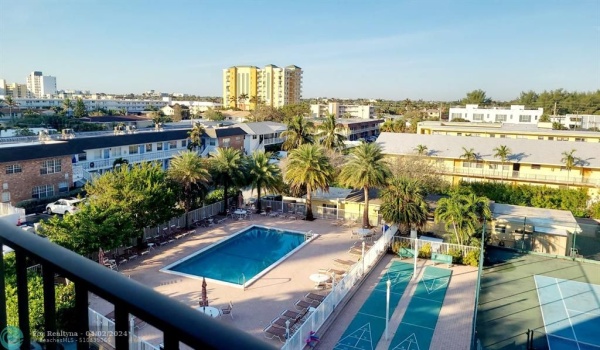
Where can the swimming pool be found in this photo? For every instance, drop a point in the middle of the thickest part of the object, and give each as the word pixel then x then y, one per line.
pixel 242 258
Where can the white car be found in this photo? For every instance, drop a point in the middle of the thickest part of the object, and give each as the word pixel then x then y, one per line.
pixel 63 206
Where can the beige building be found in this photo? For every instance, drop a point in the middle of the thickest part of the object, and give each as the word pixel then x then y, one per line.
pixel 532 162
pixel 541 131
pixel 16 90
pixel 245 87
pixel 341 110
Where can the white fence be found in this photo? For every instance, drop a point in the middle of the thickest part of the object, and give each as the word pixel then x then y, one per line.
pixel 441 248
pixel 318 317
pixel 105 330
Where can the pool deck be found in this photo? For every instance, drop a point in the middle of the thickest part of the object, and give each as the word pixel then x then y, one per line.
pixel 261 302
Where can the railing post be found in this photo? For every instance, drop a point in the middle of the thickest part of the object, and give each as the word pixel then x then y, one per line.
pixel 81 313
pixel 49 305
pixel 22 296
pixel 121 327
pixel 3 320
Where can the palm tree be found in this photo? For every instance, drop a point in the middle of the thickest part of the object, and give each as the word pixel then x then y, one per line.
pixel 227 169
pixel 328 134
pixel 10 103
pixel 188 169
pixel 502 152
pixel 262 174
pixel 67 104
pixel 469 154
pixel 461 212
pixel 421 150
pixel 242 100
pixel 387 126
pixel 195 136
pixel 403 203
pixel 569 160
pixel 233 99
pixel 120 161
pixel 309 167
pixel 298 132
pixel 366 168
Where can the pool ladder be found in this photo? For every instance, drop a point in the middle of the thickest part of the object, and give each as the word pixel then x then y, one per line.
pixel 243 280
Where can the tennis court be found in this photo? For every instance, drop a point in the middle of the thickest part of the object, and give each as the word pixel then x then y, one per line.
pixel 367 327
pixel 571 313
pixel 419 321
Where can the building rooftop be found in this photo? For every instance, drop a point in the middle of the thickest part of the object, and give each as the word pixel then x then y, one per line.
pixel 523 150
pixel 333 194
pixel 551 221
pixel 261 128
pixel 505 127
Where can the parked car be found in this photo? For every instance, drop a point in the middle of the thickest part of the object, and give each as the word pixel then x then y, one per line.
pixel 64 206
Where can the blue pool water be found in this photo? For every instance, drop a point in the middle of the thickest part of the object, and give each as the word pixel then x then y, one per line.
pixel 242 257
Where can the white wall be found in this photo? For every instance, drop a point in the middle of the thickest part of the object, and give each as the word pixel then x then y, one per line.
pixel 516 114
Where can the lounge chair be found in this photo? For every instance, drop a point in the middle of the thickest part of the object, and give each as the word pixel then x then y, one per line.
pixel 315 296
pixel 305 304
pixel 354 235
pixel 293 315
pixel 334 272
pixel 356 251
pixel 228 310
pixel 273 331
pixel 344 263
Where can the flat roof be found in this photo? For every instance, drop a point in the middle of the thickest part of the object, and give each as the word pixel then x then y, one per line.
pixel 551 221
pixel 504 127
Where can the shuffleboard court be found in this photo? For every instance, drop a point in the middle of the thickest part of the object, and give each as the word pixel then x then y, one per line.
pixel 368 325
pixel 419 321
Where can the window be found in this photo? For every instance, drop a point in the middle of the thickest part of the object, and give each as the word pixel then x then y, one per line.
pixel 535 166
pixel 82 156
pixel 456 115
pixel 63 187
pixel 5 186
pixel 134 149
pixel 492 135
pixel 148 147
pixel 579 139
pixel 550 138
pixel 562 139
pixel 525 118
pixel 500 117
pixel 225 142
pixel 478 116
pixel 50 167
pixel 159 146
pixel 459 134
pixel 502 136
pixel 42 191
pixel 254 137
pixel 183 143
pixel 13 169
pixel 540 137
pixel 172 144
pixel 5 197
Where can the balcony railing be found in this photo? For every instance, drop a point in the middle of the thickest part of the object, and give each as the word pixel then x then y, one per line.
pixel 132 159
pixel 519 176
pixel 273 141
pixel 178 322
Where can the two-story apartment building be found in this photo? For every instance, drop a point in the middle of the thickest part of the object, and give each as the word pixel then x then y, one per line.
pixel 540 131
pixel 261 134
pixel 577 121
pixel 534 162
pixel 514 114
pixel 354 129
pixel 341 110
pixel 38 170
pixel 223 137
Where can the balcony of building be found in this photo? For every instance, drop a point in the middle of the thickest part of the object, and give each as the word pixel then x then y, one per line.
pixel 178 322
pixel 107 163
pixel 519 176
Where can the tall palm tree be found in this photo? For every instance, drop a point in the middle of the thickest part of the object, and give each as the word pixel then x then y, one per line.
pixel 67 105
pixel 298 132
pixel 242 99
pixel 403 203
pixel 421 150
pixel 461 213
pixel 309 167
pixel 387 126
pixel 262 174
pixel 502 152
pixel 569 160
pixel 195 135
pixel 188 169
pixel 233 100
pixel 10 103
pixel 469 154
pixel 365 168
pixel 227 169
pixel 328 134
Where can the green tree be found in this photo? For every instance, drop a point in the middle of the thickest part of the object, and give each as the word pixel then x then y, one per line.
pixel 308 167
pixel 211 114
pixel 569 160
pixel 545 118
pixel 195 136
pixel 262 174
pixel 120 161
pixel 10 103
pixel 189 171
pixel 266 113
pixel 24 132
pixel 227 169
pixel 476 97
pixel 469 154
pixel 329 136
pixel 67 105
pixel 421 150
pixel 365 169
pixel 80 110
pixel 298 132
pixel 461 213
pixel 143 191
pixel 502 152
pixel 292 110
pixel 528 98
pixel 177 113
pixel 403 203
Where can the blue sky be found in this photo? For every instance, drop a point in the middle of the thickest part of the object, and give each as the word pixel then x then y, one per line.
pixel 393 49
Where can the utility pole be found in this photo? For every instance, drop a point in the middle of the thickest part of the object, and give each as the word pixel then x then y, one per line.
pixel 554 108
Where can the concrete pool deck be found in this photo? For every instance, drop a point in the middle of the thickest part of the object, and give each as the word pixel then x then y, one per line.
pixel 255 307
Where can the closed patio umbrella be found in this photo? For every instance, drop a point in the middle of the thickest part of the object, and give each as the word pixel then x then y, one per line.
pixel 240 200
pixel 101 256
pixel 204 293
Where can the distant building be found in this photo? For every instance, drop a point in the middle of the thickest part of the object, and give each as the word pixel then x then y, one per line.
pixel 577 121
pixel 131 106
pixel 39 85
pixel 341 110
pixel 355 129
pixel 16 90
pixel 514 114
pixel 245 87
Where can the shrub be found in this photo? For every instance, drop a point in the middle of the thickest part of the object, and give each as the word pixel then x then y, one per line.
pixel 472 258
pixel 425 251
pixel 457 257
pixel 396 246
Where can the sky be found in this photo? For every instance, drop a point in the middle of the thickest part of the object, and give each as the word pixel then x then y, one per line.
pixel 389 49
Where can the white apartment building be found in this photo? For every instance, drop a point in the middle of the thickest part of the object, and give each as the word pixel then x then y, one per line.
pixel 39 85
pixel 577 121
pixel 516 114
pixel 340 110
pixel 132 106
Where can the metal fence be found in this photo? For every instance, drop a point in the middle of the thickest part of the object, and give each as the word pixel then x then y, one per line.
pixel 442 248
pixel 194 215
pixel 318 317
pixel 103 329
pixel 322 212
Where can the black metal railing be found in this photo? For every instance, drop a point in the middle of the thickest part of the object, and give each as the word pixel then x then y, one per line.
pixel 178 322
